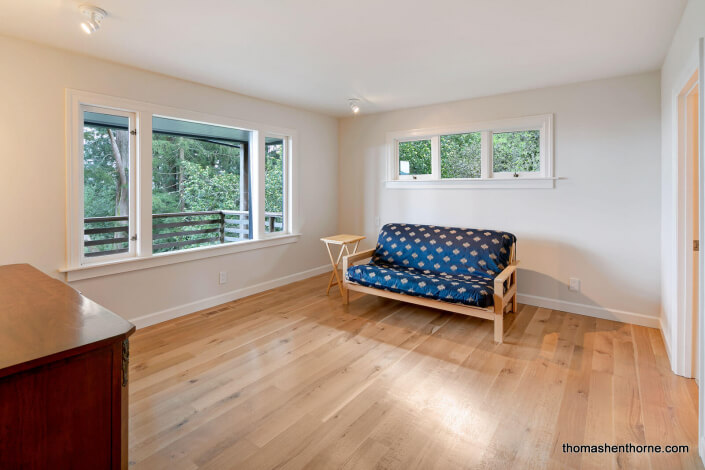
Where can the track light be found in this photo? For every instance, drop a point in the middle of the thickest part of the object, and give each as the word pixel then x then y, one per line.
pixel 354 106
pixel 95 16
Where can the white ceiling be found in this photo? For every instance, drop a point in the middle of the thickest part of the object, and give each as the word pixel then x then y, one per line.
pixel 391 54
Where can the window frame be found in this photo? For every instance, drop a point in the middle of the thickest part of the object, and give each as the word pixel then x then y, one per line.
pixel 434 168
pixel 510 174
pixel 542 179
pixel 132 183
pixel 287 151
pixel 482 163
pixel 177 118
pixel 140 254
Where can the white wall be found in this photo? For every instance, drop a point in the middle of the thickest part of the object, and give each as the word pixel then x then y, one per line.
pixel 681 61
pixel 601 222
pixel 33 184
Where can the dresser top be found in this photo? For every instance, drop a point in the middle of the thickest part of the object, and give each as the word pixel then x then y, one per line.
pixel 43 320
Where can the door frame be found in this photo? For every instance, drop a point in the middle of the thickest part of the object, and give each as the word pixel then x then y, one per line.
pixel 701 258
pixel 683 352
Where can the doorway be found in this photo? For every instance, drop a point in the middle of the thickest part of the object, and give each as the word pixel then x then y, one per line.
pixel 688 155
pixel 692 146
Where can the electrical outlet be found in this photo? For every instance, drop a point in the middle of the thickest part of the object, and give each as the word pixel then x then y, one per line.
pixel 223 277
pixel 574 284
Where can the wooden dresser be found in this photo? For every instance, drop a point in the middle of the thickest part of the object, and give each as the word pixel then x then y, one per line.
pixel 63 376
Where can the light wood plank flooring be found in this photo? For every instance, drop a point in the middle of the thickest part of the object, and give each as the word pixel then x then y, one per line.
pixel 291 379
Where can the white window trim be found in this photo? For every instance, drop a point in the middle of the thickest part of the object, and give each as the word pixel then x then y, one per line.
pixel 141 213
pixel 173 257
pixel 542 179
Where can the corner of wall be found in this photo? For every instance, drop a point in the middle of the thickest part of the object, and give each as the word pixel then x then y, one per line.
pixel 666 335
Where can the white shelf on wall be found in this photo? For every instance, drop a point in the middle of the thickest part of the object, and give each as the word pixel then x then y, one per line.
pixel 479 183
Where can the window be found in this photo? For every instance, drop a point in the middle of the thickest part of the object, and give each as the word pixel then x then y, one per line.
pixel 108 182
pixel 145 181
pixel 200 181
pixel 496 154
pixel 516 152
pixel 274 184
pixel 415 159
pixel 461 155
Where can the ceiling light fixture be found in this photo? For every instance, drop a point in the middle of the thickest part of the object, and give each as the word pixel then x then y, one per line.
pixel 354 106
pixel 95 16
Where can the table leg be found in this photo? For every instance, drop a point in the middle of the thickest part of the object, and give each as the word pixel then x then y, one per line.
pixel 332 274
pixel 335 264
pixel 330 282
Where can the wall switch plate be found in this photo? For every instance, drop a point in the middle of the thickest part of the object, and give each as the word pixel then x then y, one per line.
pixel 378 222
pixel 223 277
pixel 574 284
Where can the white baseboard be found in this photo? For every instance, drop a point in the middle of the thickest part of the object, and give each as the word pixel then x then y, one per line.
pixel 545 302
pixel 590 310
pixel 191 307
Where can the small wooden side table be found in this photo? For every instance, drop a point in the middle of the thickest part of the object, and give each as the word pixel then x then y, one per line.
pixel 344 241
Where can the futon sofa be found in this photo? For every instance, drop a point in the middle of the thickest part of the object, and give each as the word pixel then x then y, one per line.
pixel 460 270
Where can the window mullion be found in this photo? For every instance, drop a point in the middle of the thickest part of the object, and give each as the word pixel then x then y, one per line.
pixel 486 150
pixel 257 184
pixel 436 157
pixel 286 151
pixel 143 191
pixel 546 142
pixel 76 185
pixel 133 191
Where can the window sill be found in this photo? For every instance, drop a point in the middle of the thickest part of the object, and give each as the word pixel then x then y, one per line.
pixel 134 264
pixel 479 183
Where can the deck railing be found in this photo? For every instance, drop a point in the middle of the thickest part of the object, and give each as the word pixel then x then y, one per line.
pixel 109 235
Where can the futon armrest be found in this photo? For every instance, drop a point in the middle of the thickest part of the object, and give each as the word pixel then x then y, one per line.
pixel 503 276
pixel 350 260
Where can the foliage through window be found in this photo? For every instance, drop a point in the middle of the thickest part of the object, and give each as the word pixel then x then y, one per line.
pixel 201 187
pixel 461 155
pixel 516 152
pixel 415 157
pixel 274 185
pixel 106 183
pixel 518 148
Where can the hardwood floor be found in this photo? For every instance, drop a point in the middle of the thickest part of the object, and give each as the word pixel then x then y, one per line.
pixel 291 379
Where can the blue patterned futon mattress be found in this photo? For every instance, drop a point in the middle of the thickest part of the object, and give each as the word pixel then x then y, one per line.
pixel 450 264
